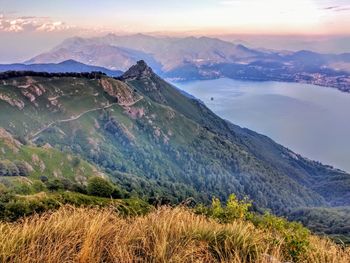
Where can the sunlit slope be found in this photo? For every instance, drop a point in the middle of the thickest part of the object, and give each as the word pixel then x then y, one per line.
pixel 25 167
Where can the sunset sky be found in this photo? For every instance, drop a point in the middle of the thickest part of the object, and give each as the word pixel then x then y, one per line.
pixel 42 23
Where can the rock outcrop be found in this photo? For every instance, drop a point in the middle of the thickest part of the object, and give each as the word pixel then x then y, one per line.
pixel 13 102
pixel 150 81
pixel 139 71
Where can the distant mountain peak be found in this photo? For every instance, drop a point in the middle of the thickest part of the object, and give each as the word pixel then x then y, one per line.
pixel 70 62
pixel 240 46
pixel 139 71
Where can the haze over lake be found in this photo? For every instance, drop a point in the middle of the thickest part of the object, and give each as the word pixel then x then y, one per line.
pixel 310 120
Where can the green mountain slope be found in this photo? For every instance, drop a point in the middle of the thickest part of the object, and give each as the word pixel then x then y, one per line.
pixel 156 142
pixel 23 168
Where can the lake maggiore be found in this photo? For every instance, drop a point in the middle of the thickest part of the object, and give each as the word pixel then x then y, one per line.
pixel 311 120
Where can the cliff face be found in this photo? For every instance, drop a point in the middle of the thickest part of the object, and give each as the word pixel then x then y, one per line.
pixel 122 93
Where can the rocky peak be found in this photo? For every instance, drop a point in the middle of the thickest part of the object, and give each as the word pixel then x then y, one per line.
pixel 139 71
pixel 151 83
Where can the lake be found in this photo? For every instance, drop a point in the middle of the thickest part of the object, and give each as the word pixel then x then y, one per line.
pixel 311 120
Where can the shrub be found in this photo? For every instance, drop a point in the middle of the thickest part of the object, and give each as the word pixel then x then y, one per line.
pixel 234 209
pixel 54 185
pixel 23 188
pixel 98 186
pixel 294 235
pixel 79 188
pixel 38 186
pixel 117 193
pixel 15 210
pixel 5 194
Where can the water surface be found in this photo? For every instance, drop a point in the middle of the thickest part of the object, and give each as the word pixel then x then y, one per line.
pixel 311 120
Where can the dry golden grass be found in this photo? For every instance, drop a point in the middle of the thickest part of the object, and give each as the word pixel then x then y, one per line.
pixel 165 235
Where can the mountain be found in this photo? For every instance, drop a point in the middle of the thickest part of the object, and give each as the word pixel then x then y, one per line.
pixel 169 52
pixel 154 141
pixel 94 54
pixel 162 54
pixel 192 58
pixel 65 66
pixel 321 44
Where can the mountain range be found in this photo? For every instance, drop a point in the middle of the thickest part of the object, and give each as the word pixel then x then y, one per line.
pixel 192 58
pixel 65 66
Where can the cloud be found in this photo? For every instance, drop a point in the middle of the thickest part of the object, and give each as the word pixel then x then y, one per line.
pixel 344 9
pixel 53 26
pixel 337 8
pixel 229 2
pixel 30 24
pixel 330 7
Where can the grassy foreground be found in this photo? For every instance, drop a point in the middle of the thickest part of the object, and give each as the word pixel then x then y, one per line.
pixel 163 235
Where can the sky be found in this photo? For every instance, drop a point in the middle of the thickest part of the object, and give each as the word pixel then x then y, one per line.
pixel 32 26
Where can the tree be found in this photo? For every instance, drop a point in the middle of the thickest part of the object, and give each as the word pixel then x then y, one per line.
pixel 99 186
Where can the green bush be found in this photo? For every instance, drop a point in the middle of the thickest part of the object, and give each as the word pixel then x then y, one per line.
pixel 16 209
pixel 5 194
pixel 295 236
pixel 23 188
pixel 38 186
pixel 98 186
pixel 13 207
pixel 55 185
pixel 234 209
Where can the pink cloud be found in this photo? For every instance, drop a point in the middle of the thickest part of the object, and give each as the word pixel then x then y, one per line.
pixel 31 23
